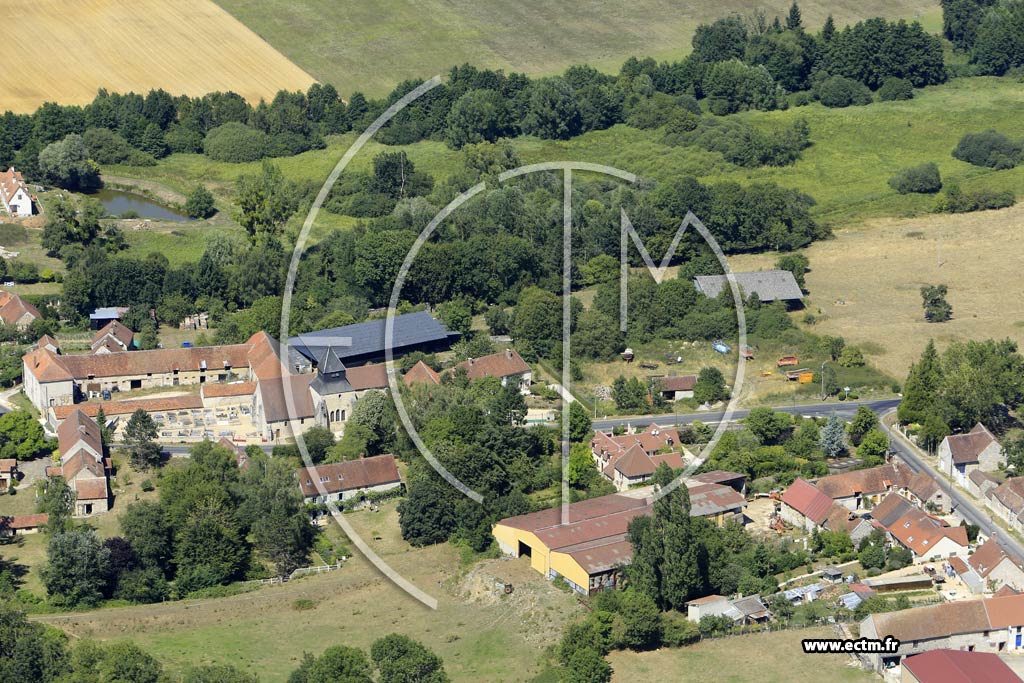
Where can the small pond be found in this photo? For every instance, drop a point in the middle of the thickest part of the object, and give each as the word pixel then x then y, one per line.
pixel 116 202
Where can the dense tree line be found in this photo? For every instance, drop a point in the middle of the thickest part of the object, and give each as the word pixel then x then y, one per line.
pixel 969 382
pixel 211 525
pixel 990 31
pixel 677 558
pixel 472 429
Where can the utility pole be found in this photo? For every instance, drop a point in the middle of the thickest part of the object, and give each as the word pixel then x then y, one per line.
pixel 823 396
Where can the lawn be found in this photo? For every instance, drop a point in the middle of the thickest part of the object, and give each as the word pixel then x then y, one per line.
pixel 371 46
pixel 481 634
pixel 763 657
pixel 68 50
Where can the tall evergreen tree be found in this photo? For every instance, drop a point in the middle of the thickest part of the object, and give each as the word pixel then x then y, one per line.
pixel 793 19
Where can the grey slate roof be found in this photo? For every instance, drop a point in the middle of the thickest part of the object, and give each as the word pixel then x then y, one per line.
pixel 367 338
pixel 769 285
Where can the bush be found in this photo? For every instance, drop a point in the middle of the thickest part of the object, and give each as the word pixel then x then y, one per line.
pixel 956 200
pixel 839 91
pixel 920 179
pixel 147 485
pixel 989 148
pixel 199 203
pixel 236 143
pixel 896 89
pixel 303 604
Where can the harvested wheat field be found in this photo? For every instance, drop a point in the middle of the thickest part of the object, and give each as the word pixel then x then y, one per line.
pixel 65 51
pixel 867 281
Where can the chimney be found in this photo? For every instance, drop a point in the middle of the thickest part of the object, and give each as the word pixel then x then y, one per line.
pixel 508 353
pixel 470 361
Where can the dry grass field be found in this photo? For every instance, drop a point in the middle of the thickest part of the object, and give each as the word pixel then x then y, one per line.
pixel 867 282
pixel 64 51
pixel 482 634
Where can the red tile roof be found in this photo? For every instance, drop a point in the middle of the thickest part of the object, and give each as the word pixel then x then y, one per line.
pixel 348 475
pixel 91 489
pixel 933 621
pixel 713 499
pixel 807 500
pixel 150 405
pixel 988 556
pixel 372 376
pixel 502 364
pixel 10 182
pixel 13 308
pixel 33 521
pixel 8 465
pixel 275 403
pixel 1005 611
pixel 678 383
pixel 863 482
pixel 155 361
pixel 959 666
pixel 82 460
pixel 116 330
pixel 217 390
pixel 421 373
pixel 77 426
pixel 920 532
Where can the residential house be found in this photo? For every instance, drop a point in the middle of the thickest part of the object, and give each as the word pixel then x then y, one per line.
pixel 112 338
pixel 630 459
pixel 634 466
pixel 979 483
pixel 343 481
pixel 708 606
pixel 1007 502
pixel 961 454
pixel 14 194
pixel 994 625
pixel 956 666
pixel 49 343
pixel 8 474
pixel 17 312
pixel 925 492
pixel 507 365
pixel 241 457
pixel 801 595
pixel 768 285
pixel 82 463
pixel 861 489
pixel 928 538
pixel 997 566
pixel 803 506
pixel 675 388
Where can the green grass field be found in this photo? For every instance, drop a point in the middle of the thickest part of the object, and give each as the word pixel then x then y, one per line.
pixel 371 46
pixel 763 657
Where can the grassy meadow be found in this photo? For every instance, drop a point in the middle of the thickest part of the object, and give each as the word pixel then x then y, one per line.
pixel 482 636
pixel 763 657
pixel 66 51
pixel 854 152
pixel 371 46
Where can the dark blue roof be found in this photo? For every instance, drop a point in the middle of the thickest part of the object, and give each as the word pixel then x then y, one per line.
pixel 367 339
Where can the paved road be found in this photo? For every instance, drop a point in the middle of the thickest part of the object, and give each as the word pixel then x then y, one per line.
pixel 844 409
pixel 962 503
